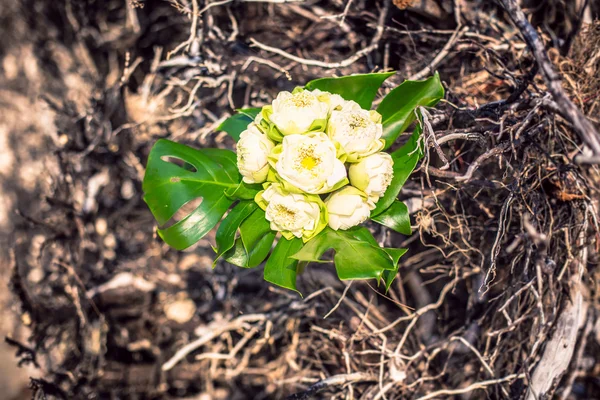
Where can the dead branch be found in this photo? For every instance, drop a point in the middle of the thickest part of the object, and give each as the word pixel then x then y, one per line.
pixel 561 346
pixel 567 109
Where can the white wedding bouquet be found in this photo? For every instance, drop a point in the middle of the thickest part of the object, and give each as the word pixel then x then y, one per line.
pixel 319 159
pixel 311 166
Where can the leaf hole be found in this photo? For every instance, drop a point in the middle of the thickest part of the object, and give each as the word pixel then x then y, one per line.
pixel 180 163
pixel 183 212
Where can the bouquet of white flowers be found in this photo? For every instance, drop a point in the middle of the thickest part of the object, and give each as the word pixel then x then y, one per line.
pixel 311 166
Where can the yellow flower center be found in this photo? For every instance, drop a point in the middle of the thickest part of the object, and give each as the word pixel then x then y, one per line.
pixel 284 211
pixel 302 99
pixel 357 121
pixel 284 215
pixel 307 159
pixel 309 162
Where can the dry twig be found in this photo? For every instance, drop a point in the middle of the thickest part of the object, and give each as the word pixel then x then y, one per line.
pixel 567 109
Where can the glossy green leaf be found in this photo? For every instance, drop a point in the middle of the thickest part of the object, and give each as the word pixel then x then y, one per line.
pixel 238 255
pixel 238 122
pixel 395 217
pixel 227 230
pixel 355 257
pixel 362 233
pixel 250 112
pixel 398 107
pixel 405 161
pixel 243 191
pixel 280 268
pixel 388 276
pixel 254 231
pixel 227 159
pixel 361 88
pixel 177 174
pixel 254 244
pixel 254 227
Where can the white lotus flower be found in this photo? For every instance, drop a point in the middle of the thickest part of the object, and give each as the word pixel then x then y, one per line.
pixel 292 214
pixel 309 163
pixel 358 131
pixel 334 101
pixel 253 148
pixel 347 207
pixel 258 119
pixel 373 174
pixel 295 113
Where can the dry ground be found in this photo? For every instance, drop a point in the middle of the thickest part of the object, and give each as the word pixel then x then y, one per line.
pixel 501 274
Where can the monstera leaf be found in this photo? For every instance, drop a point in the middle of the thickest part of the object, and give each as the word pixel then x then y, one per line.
pixel 176 175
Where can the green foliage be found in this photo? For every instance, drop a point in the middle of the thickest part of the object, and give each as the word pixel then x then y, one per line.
pixel 254 243
pixel 361 88
pixel 396 217
pixel 177 174
pixel 398 107
pixel 226 233
pixel 405 161
pixel 243 191
pixel 250 112
pixel 237 123
pixel 357 254
pixel 280 268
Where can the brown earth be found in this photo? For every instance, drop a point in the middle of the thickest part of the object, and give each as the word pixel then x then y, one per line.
pixel 497 293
